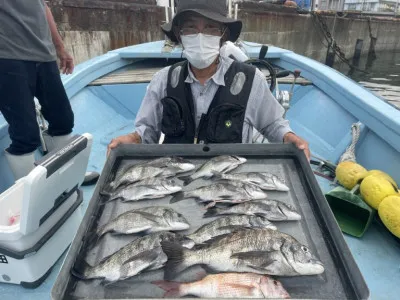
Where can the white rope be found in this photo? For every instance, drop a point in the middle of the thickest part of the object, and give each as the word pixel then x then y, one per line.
pixel 350 153
pixel 41 123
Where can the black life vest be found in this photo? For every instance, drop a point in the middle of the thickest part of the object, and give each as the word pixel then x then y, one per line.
pixel 224 120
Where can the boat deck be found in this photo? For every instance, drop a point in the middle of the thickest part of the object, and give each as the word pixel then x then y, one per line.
pixel 376 254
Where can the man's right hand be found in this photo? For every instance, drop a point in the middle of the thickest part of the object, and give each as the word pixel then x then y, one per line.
pixel 131 138
pixel 66 61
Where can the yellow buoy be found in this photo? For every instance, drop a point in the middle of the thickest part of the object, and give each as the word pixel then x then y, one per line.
pixel 349 173
pixel 385 175
pixel 389 212
pixel 375 188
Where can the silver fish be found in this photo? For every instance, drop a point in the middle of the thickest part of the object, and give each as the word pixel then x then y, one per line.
pixel 261 251
pixel 151 188
pixel 227 225
pixel 136 221
pixel 158 211
pixel 166 212
pixel 223 191
pixel 137 173
pixel 144 253
pixel 220 164
pixel 226 285
pixel 265 181
pixel 154 181
pixel 272 210
pixel 179 164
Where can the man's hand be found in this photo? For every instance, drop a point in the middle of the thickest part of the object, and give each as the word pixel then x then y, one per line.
pixel 131 138
pixel 299 142
pixel 66 61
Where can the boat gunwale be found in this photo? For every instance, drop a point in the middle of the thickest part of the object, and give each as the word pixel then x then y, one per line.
pixel 364 100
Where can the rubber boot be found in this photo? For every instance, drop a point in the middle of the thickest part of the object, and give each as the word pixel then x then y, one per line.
pixel 53 142
pixel 21 165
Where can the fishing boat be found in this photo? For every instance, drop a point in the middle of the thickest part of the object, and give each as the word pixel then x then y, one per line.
pixel 323 107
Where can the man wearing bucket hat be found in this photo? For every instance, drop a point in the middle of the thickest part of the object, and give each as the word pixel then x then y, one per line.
pixel 208 98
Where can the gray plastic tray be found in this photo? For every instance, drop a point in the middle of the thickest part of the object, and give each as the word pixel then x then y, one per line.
pixel 318 228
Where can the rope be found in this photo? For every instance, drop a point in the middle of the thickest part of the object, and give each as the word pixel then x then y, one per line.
pixel 350 153
pixel 42 125
pixel 40 118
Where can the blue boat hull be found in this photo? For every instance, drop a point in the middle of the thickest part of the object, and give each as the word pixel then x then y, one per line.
pixel 322 113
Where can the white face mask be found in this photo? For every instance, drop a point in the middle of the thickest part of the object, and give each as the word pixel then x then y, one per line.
pixel 201 50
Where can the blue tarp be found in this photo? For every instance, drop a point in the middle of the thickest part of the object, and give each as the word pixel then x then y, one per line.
pixel 303 3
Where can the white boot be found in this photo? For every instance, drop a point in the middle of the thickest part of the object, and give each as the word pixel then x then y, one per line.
pixel 53 142
pixel 21 165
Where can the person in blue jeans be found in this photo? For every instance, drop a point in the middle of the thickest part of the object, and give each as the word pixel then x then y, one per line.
pixel 29 47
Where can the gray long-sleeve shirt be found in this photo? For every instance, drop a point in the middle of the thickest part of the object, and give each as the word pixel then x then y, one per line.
pixel 263 111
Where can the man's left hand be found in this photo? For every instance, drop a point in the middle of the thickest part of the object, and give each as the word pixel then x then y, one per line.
pixel 299 142
pixel 66 61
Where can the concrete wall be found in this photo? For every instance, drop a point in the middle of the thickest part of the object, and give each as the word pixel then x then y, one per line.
pixel 302 33
pixel 91 27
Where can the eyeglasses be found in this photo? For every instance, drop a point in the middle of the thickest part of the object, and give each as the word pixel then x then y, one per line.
pixel 214 31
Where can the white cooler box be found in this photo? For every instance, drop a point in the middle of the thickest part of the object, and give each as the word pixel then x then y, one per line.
pixel 47 209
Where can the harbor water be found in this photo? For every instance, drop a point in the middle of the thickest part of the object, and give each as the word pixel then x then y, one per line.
pixel 382 77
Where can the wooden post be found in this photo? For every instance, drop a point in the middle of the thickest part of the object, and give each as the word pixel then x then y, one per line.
pixel 357 51
pixel 330 57
pixel 330 54
pixel 371 51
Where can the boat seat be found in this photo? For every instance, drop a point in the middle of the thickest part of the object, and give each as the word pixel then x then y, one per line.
pixel 132 75
pixel 47 203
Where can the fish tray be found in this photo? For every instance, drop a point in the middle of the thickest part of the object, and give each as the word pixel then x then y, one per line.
pixel 318 228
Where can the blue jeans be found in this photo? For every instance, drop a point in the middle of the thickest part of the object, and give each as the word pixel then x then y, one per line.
pixel 20 82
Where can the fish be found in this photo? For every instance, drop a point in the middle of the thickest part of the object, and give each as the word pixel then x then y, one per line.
pixel 226 285
pixel 179 164
pixel 260 251
pixel 272 210
pixel 265 181
pixel 144 253
pixel 223 191
pixel 151 188
pixel 226 225
pixel 137 173
pixel 153 181
pixel 157 210
pixel 220 164
pixel 140 220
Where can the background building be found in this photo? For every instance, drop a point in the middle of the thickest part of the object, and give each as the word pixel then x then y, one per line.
pixel 336 5
pixel 378 6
